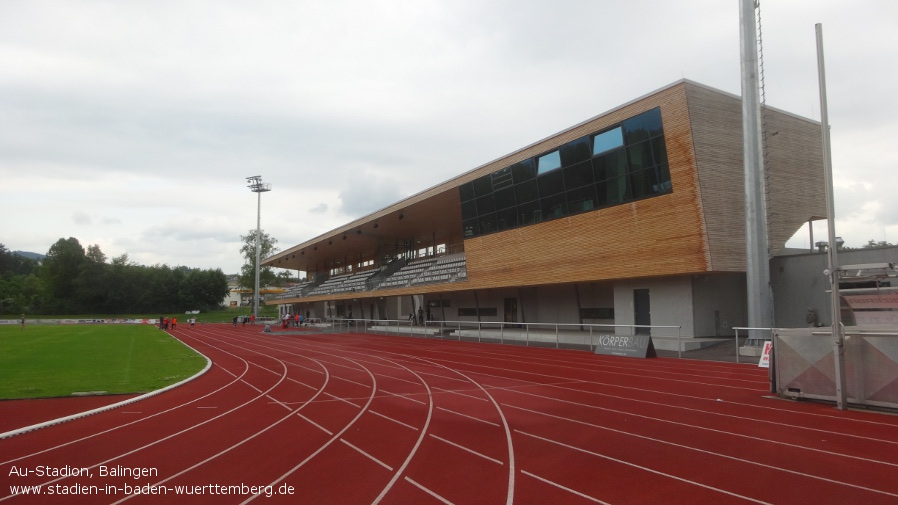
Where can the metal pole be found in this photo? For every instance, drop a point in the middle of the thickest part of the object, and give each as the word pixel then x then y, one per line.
pixel 258 253
pixel 257 186
pixel 832 255
pixel 757 266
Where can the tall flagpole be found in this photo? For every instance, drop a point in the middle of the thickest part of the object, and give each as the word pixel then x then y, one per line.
pixel 832 255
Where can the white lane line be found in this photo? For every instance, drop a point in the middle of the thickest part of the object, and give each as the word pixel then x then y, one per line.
pixel 404 396
pixel 344 400
pixel 313 423
pixel 397 378
pixel 742 404
pixel 363 453
pixel 428 491
pixel 441 390
pixel 558 377
pixel 393 420
pixel 703 451
pixel 712 430
pixel 721 414
pixel 435 375
pixel 326 444
pixel 509 497
pixel 565 488
pixel 469 417
pixel 414 449
pixel 306 368
pixel 634 465
pixel 158 441
pixel 453 444
pixel 295 381
pixel 352 382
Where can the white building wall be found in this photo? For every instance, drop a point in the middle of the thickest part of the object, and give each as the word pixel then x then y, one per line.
pixel 670 303
pixel 720 302
pixel 799 283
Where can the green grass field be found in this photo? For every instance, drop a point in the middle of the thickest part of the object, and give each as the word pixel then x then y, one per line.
pixel 220 315
pixel 59 360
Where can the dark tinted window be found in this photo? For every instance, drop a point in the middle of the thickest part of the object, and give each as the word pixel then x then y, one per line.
pixel 640 156
pixel 644 182
pixel 523 170
pixel 468 210
pixel 642 127
pixel 659 151
pixel 483 186
pixel 471 227
pixel 504 198
pixel 552 206
pixel 610 165
pixel 582 199
pixel 575 151
pixel 526 191
pixel 507 218
pixel 613 191
pixel 624 162
pixel 488 223
pixel 578 175
pixel 485 204
pixel 466 191
pixel 550 183
pixel 501 179
pixel 529 213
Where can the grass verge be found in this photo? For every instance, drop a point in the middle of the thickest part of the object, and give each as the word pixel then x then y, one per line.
pixel 52 361
pixel 219 315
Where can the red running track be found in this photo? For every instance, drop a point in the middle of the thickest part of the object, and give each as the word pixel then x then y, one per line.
pixel 353 418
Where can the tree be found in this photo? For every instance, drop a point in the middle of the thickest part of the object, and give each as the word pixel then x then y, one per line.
pixel 872 243
pixel 59 274
pixel 12 264
pixel 203 289
pixel 95 254
pixel 247 279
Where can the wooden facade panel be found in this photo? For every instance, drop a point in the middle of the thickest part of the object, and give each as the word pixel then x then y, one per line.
pixel 793 167
pixel 658 236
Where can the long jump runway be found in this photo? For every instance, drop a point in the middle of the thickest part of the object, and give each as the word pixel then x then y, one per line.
pixel 308 417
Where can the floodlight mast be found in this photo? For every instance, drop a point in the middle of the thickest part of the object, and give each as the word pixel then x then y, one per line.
pixel 255 184
pixel 757 254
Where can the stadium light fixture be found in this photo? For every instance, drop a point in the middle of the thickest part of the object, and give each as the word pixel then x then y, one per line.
pixel 255 184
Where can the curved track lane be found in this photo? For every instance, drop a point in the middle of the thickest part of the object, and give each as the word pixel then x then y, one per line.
pixel 305 417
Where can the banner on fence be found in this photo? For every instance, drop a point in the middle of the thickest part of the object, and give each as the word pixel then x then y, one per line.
pixel 765 354
pixel 633 346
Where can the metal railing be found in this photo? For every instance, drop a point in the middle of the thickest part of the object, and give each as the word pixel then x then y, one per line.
pixel 557 335
pixel 736 329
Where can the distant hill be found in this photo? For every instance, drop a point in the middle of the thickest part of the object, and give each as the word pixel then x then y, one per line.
pixel 31 255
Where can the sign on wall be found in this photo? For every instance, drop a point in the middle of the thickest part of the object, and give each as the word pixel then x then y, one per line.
pixel 633 346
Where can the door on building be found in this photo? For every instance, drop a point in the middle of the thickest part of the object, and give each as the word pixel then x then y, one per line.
pixel 511 310
pixel 642 314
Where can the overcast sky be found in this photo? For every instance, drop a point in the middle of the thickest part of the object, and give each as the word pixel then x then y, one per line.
pixel 133 125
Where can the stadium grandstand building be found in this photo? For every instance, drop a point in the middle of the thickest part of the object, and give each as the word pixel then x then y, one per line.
pixel 633 217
